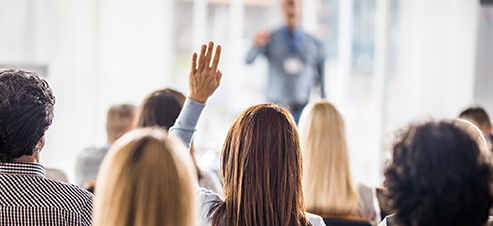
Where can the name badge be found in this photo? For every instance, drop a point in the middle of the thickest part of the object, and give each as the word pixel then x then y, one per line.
pixel 293 65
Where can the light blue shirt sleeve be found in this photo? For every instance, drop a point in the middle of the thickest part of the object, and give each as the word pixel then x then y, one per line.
pixel 184 127
pixel 253 53
pixel 315 219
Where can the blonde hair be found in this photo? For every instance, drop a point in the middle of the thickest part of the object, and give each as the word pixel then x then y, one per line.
pixel 146 179
pixel 327 183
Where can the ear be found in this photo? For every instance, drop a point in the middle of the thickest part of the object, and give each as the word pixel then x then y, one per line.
pixel 41 144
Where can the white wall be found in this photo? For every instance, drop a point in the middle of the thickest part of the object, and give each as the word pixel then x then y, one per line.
pixel 103 52
pixel 98 53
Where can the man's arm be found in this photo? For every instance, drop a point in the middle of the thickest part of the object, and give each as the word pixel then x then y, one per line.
pixel 204 79
pixel 259 46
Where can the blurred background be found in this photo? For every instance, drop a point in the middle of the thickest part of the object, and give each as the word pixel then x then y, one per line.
pixel 390 62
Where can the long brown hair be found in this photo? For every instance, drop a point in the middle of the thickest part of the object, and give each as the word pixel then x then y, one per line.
pixel 261 171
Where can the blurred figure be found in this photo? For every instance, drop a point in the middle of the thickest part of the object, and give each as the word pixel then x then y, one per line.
pixel 296 61
pixel 120 119
pixel 161 108
pixel 440 174
pixel 479 117
pixel 27 196
pixel 146 179
pixel 328 185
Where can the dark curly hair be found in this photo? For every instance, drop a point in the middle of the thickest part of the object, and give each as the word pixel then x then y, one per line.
pixel 26 112
pixel 439 175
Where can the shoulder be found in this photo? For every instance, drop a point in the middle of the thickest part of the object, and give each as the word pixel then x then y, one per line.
pixel 208 198
pixel 365 190
pixel 92 153
pixel 311 38
pixel 51 193
pixel 315 219
pixel 70 191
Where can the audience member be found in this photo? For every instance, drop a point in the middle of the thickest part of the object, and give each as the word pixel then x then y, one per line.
pixel 440 174
pixel 328 185
pixel 28 197
pixel 479 117
pixel 161 108
pixel 261 162
pixel 119 120
pixel 146 179
pixel 296 60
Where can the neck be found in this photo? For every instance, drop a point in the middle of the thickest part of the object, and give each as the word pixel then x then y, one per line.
pixel 28 158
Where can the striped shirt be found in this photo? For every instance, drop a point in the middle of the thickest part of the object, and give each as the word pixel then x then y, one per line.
pixel 27 197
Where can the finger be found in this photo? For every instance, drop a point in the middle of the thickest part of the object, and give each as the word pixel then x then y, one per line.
pixel 194 63
pixel 208 57
pixel 201 58
pixel 215 61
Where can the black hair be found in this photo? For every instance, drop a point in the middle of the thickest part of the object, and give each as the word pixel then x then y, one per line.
pixel 439 175
pixel 26 112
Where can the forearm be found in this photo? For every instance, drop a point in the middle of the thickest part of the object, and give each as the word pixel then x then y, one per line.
pixel 186 123
pixel 252 54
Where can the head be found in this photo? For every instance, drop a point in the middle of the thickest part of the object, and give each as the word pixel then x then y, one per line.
pixel 146 179
pixel 161 108
pixel 292 13
pixel 327 184
pixel 479 117
pixel 261 170
pixel 119 121
pixel 440 174
pixel 26 112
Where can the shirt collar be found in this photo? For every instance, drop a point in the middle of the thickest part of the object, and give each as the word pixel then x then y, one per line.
pixel 22 168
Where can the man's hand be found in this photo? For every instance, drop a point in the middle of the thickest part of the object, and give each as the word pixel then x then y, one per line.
pixel 204 76
pixel 261 38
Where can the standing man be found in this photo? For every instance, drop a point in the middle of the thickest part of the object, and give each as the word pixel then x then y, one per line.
pixel 27 196
pixel 296 61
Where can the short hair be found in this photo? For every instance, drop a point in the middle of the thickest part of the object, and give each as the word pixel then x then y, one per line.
pixel 26 112
pixel 261 171
pixel 327 183
pixel 119 120
pixel 161 108
pixel 146 179
pixel 478 116
pixel 440 175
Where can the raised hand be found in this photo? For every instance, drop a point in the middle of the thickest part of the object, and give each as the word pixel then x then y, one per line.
pixel 261 38
pixel 204 75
